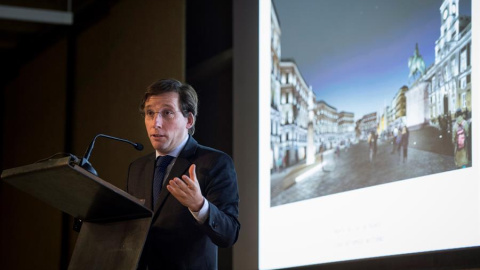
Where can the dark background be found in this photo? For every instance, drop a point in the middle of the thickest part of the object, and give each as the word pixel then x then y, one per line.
pixel 62 85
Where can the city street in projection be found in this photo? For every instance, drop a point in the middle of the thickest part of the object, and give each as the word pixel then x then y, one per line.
pixel 354 55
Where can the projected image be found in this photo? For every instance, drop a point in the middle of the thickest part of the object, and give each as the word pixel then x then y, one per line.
pixel 365 93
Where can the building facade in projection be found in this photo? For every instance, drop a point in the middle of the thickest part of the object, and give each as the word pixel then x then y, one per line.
pixel 294 110
pixel 275 117
pixel 450 77
pixel 300 122
pixel 442 88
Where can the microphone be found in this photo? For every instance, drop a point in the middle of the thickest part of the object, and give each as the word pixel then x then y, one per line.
pixel 84 163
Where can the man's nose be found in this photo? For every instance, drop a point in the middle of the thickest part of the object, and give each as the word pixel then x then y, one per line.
pixel 158 119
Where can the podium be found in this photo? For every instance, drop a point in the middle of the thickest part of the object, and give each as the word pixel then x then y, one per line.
pixel 115 224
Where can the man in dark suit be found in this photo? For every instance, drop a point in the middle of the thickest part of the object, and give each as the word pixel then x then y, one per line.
pixel 196 205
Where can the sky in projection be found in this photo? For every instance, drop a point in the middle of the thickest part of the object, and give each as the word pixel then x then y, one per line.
pixel 354 53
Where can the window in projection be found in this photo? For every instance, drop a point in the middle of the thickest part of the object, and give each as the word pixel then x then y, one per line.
pixel 372 150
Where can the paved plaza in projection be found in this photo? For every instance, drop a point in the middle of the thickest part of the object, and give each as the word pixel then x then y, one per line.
pixel 428 153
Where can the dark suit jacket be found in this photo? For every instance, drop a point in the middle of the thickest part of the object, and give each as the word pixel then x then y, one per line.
pixel 176 240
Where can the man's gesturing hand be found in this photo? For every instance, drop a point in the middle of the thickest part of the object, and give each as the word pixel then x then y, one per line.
pixel 188 191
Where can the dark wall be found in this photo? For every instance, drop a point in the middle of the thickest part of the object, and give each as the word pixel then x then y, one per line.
pixel 87 82
pixel 209 70
pixel 33 128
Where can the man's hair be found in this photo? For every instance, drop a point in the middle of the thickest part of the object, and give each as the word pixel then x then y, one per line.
pixel 187 97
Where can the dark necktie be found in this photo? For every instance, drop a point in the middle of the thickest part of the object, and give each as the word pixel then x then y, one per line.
pixel 160 168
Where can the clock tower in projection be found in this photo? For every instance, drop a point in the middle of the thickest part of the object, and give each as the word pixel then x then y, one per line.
pixel 449 30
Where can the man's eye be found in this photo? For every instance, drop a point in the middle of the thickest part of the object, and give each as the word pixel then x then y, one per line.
pixel 149 113
pixel 167 113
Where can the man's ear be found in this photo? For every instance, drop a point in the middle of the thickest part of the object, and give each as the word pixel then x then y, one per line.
pixel 190 120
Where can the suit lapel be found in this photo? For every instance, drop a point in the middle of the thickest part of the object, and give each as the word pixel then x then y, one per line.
pixel 182 163
pixel 149 170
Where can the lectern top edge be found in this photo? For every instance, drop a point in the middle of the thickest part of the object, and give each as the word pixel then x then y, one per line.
pixel 68 187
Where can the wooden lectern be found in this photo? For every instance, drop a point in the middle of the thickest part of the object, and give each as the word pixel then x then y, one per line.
pixel 115 224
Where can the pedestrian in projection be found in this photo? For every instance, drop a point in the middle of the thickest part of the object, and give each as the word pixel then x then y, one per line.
pixel 404 142
pixel 394 140
pixel 372 143
pixel 398 140
pixel 459 140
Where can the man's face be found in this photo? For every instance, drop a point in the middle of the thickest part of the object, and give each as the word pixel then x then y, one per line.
pixel 165 123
